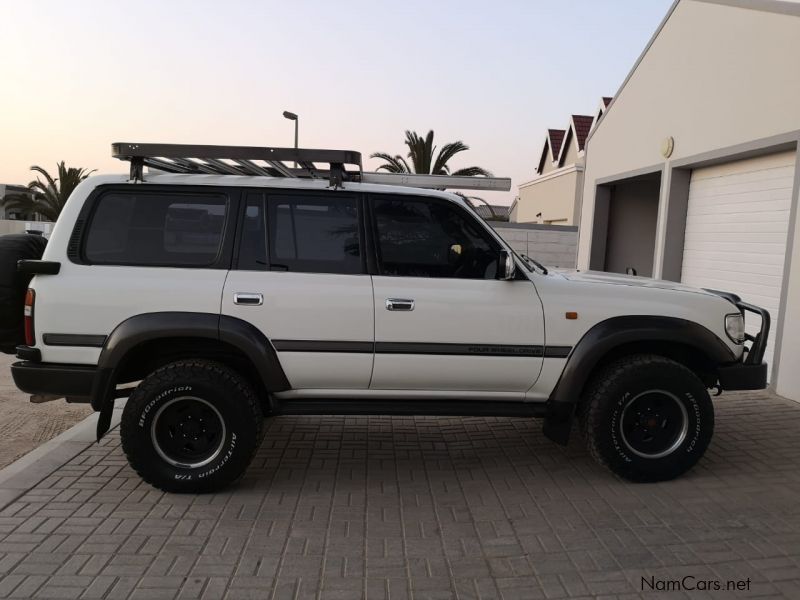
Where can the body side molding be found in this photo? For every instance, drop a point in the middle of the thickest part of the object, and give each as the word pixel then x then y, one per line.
pixel 605 337
pixel 151 326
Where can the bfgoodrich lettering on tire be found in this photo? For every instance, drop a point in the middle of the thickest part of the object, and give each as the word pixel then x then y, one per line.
pixel 191 426
pixel 647 418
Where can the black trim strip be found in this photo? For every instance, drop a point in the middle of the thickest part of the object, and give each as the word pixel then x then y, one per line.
pixel 74 339
pixel 557 351
pixel 322 346
pixel 421 348
pixel 457 349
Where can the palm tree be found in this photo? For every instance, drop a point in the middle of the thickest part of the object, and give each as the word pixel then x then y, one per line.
pixel 48 197
pixel 421 153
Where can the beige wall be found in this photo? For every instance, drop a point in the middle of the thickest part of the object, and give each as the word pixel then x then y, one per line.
pixel 571 152
pixel 548 166
pixel 10 226
pixel 715 76
pixel 553 196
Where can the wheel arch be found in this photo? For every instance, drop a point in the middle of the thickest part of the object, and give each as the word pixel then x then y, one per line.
pixel 684 341
pixel 149 340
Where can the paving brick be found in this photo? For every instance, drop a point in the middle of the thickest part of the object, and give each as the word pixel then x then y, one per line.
pixel 422 507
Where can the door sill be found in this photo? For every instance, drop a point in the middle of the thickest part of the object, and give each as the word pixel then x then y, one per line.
pixel 461 408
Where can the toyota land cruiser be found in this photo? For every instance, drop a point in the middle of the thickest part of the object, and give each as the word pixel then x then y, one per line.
pixel 225 286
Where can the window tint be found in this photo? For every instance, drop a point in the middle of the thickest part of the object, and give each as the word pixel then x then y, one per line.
pixel 314 234
pixel 253 244
pixel 428 238
pixel 156 229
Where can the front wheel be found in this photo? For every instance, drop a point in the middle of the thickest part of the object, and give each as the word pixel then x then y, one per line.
pixel 647 418
pixel 191 426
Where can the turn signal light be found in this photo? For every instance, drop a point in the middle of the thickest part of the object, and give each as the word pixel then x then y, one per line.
pixel 30 299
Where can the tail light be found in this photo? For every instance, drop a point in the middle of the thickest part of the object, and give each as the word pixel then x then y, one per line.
pixel 30 299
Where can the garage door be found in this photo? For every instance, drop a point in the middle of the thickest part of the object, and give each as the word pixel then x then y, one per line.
pixel 736 229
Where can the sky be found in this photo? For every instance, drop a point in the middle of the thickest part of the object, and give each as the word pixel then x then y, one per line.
pixel 77 76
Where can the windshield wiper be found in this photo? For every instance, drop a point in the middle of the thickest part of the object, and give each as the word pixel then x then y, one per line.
pixel 529 260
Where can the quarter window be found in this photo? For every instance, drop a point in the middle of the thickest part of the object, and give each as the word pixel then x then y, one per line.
pixel 431 238
pixel 157 229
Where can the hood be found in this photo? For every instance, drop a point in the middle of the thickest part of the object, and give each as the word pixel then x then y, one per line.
pixel 629 280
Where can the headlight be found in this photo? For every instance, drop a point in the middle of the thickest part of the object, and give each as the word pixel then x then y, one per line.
pixel 734 327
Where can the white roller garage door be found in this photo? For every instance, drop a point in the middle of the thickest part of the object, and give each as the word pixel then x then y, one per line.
pixel 736 230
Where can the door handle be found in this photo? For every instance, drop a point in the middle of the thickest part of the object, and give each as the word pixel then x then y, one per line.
pixel 248 299
pixel 399 304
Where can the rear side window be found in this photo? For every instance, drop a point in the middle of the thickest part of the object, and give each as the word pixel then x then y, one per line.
pixel 157 229
pixel 314 234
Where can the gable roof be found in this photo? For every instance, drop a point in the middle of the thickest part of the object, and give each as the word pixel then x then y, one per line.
pixel 556 136
pixel 577 132
pixel 552 146
pixel 582 125
pixel 557 141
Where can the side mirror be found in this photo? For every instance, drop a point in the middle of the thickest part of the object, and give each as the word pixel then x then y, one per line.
pixel 505 266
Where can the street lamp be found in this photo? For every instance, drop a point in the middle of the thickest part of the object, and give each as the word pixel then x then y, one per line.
pixel 293 117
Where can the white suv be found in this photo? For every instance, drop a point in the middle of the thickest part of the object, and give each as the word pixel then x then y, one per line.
pixel 211 301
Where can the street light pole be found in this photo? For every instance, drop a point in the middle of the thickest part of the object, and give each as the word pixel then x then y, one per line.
pixel 293 117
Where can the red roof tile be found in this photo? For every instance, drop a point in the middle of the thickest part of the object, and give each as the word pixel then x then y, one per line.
pixel 583 124
pixel 556 137
pixel 607 100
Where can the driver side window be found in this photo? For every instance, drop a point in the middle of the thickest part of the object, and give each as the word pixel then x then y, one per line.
pixel 426 237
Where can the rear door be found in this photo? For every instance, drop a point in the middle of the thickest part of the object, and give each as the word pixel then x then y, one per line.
pixel 300 277
pixel 443 321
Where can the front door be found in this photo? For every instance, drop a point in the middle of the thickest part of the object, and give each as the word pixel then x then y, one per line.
pixel 300 278
pixel 443 321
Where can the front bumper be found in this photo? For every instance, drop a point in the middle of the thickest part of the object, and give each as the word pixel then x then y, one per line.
pixel 72 381
pixel 750 373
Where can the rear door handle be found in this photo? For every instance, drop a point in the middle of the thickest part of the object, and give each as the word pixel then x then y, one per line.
pixel 248 298
pixel 399 304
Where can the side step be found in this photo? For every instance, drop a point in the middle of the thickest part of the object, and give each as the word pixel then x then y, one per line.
pixel 451 408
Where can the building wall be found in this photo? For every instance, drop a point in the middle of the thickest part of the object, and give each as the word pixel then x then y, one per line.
pixel 553 196
pixel 723 82
pixel 551 245
pixel 13 226
pixel 715 76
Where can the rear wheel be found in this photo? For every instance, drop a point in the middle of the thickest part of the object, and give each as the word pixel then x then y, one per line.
pixel 647 418
pixel 191 426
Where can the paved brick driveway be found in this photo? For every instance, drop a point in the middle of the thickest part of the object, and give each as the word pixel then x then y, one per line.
pixel 418 508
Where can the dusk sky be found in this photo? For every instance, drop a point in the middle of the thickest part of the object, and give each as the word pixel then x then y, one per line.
pixel 76 76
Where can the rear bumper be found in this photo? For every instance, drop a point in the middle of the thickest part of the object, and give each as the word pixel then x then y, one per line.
pixel 73 381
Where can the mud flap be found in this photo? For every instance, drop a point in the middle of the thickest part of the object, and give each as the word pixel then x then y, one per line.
pixel 104 418
pixel 558 423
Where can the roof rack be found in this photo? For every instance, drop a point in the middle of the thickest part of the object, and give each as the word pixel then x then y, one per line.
pixel 272 162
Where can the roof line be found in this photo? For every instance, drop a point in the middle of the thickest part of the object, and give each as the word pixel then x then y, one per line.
pixel 636 64
pixel 774 6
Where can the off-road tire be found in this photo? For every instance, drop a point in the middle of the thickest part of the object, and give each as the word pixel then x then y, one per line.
pixel 224 393
pixel 617 388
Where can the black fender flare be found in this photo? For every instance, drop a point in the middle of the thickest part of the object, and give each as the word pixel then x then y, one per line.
pixel 612 333
pixel 152 326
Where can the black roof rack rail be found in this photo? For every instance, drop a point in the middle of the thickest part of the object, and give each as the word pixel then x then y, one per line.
pixel 240 160
pixel 274 162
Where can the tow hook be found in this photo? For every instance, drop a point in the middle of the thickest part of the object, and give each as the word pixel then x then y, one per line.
pixel 718 389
